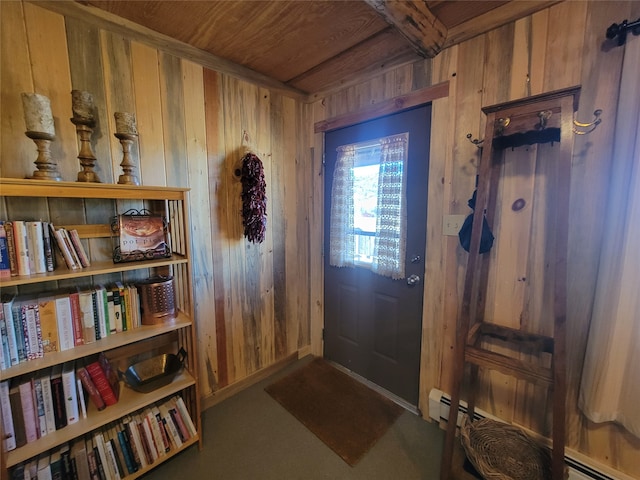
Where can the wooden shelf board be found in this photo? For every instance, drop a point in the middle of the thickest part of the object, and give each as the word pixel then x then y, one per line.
pixel 96 268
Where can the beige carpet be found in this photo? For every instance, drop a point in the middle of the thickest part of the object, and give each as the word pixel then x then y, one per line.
pixel 346 415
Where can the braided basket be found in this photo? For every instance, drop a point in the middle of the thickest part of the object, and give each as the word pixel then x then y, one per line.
pixel 500 451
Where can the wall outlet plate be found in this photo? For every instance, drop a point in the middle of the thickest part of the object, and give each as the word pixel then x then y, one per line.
pixel 451 224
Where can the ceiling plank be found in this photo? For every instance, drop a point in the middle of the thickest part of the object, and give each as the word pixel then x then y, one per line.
pixel 495 18
pixel 415 22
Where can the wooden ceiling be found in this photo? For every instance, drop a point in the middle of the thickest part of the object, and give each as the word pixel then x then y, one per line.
pixel 315 46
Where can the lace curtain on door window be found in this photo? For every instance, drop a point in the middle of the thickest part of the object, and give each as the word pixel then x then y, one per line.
pixel 390 231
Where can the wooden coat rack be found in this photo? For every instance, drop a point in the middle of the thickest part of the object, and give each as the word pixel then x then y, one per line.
pixel 538 119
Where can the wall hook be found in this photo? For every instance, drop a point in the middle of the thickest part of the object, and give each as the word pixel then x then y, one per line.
pixel 544 117
pixel 591 126
pixel 620 30
pixel 475 141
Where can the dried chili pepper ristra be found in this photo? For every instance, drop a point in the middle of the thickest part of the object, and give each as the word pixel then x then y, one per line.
pixel 254 198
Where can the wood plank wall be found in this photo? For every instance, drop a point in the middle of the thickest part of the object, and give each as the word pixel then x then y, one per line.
pixel 556 48
pixel 252 302
pixel 257 305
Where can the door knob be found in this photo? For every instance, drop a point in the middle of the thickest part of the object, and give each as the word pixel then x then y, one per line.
pixel 413 279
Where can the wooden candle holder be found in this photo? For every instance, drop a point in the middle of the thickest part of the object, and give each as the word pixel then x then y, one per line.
pixel 47 168
pixel 129 177
pixel 84 129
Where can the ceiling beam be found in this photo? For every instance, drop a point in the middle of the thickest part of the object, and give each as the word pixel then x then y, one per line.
pixel 415 22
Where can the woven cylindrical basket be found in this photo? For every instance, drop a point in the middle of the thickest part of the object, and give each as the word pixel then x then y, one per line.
pixel 500 451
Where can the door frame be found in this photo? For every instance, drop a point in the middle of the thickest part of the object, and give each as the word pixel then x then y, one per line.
pixel 384 108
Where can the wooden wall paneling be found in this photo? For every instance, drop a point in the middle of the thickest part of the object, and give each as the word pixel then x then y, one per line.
pixel 199 198
pixel 303 227
pixel 316 231
pixel 439 326
pixel 421 74
pixel 116 61
pixel 467 112
pixel 497 73
pixel 564 45
pixel 146 87
pixel 296 246
pixel 235 111
pixel 435 256
pixel 277 224
pixel 538 55
pixel 172 102
pixel 216 365
pixel 85 63
pixel 47 43
pixel 17 151
pixel 262 300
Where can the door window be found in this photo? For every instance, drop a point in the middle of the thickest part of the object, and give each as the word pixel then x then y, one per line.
pixel 368 206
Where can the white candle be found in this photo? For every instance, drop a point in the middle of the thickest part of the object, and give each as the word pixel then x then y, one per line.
pixel 82 105
pixel 37 113
pixel 126 123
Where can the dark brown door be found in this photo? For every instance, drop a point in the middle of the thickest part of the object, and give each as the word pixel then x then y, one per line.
pixel 373 323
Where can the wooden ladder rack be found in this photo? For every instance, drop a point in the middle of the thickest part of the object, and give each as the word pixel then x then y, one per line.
pixel 538 119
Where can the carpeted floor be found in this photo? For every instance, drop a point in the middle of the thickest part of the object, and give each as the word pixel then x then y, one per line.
pixel 252 437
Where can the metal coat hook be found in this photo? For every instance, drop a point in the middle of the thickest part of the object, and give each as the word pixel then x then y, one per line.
pixel 591 126
pixel 475 141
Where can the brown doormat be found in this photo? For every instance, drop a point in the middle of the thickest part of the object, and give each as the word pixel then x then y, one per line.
pixel 346 415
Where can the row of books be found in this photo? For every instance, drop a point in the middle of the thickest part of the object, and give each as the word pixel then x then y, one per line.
pixel 118 449
pixel 41 403
pixel 32 326
pixel 27 247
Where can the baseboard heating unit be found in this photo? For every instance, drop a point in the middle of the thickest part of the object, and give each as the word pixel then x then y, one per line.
pixel 580 467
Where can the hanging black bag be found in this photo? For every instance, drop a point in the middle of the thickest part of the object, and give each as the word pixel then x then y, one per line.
pixel 486 240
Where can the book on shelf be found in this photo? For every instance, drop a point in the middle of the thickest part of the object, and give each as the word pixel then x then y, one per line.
pixel 85 299
pixel 44 467
pixel 65 455
pixel 108 392
pixel 80 460
pixel 64 247
pixel 47 398
pixel 31 468
pixel 15 401
pixel 135 441
pixel 70 389
pixel 30 315
pixel 125 445
pixel 146 435
pixel 48 323
pixel 91 460
pixel 90 388
pixel 9 441
pixel 112 436
pixel 158 440
pixel 38 399
pixel 12 340
pixel 82 402
pixel 47 242
pixel 111 313
pixel 106 460
pixel 79 248
pixel 57 395
pixel 5 262
pixel 55 464
pixel 21 245
pixel 11 248
pixel 170 424
pixel 184 413
pixel 35 247
pixel 64 317
pixel 16 316
pixel 5 356
pixel 28 409
pixel 76 317
pixel 103 310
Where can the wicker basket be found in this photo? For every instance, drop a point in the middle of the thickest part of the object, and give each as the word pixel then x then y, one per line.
pixel 500 451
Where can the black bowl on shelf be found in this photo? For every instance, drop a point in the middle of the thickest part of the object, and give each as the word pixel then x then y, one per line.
pixel 155 372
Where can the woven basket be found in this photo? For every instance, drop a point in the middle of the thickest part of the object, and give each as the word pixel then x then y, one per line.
pixel 500 451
